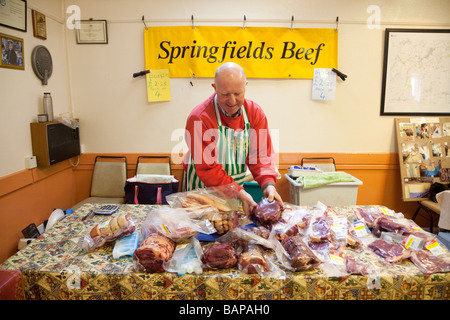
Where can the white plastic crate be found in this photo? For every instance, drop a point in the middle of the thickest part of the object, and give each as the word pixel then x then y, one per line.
pixel 333 194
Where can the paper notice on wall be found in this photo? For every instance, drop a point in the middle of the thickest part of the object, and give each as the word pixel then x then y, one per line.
pixel 158 85
pixel 324 84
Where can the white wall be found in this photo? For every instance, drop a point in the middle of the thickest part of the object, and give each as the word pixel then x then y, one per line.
pixel 22 91
pixel 112 105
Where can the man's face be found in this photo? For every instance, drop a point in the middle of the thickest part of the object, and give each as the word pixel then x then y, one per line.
pixel 230 90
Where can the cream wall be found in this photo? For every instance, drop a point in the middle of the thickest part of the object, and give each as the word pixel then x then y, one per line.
pixel 22 92
pixel 96 83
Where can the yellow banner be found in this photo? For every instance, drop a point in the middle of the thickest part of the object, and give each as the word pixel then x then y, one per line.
pixel 262 52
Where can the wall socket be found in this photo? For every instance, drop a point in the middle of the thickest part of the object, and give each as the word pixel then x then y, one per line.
pixel 30 162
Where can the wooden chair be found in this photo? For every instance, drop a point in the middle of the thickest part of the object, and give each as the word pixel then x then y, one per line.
pixel 108 181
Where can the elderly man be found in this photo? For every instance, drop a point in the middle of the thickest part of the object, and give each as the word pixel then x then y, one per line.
pixel 226 134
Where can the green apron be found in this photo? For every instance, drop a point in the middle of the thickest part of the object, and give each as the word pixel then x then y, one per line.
pixel 231 152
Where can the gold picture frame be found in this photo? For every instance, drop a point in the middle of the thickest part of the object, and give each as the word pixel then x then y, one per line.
pixel 39 25
pixel 11 52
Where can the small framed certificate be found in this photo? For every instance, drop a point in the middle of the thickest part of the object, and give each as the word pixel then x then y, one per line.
pixel 91 31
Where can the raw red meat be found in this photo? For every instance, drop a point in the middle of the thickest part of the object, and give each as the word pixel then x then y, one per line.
pixel 354 266
pixel 320 230
pixel 301 257
pixel 267 213
pixel 253 261
pixel 390 252
pixel 367 215
pixel 429 263
pixel 220 256
pixel 156 250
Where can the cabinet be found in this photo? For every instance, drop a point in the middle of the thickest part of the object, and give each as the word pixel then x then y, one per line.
pixel 53 142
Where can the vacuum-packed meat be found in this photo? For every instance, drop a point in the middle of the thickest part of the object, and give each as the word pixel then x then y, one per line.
pixel 253 260
pixel 429 263
pixel 220 256
pixel 390 252
pixel 300 256
pixel 153 253
pixel 320 230
pixel 267 213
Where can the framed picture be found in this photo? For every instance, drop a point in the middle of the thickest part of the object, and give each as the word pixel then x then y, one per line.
pixel 13 14
pixel 416 72
pixel 12 52
pixel 91 31
pixel 39 25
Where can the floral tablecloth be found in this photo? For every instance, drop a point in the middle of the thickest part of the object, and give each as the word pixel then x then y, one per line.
pixel 54 266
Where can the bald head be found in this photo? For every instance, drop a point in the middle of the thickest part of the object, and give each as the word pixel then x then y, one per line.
pixel 229 83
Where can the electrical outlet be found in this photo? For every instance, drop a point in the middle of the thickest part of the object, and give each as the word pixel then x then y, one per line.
pixel 30 162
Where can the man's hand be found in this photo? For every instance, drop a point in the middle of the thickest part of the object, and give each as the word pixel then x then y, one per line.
pixel 247 202
pixel 271 194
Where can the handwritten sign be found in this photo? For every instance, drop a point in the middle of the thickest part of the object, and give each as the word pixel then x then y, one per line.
pixel 324 84
pixel 158 85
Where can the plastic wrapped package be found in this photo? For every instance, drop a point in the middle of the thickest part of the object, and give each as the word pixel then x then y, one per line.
pixel 293 222
pixel 108 231
pixel 256 261
pixel 240 239
pixel 126 246
pixel 186 258
pixel 390 252
pixel 219 256
pixel 224 198
pixel 174 223
pixel 154 253
pixel 429 263
pixel 300 257
pixel 267 213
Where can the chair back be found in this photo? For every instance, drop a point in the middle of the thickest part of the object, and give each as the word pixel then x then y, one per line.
pixel 109 177
pixel 154 165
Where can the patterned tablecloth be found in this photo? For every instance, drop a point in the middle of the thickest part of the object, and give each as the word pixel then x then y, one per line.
pixel 55 267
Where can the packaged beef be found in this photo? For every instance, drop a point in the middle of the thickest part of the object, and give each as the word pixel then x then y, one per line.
pixel 219 256
pixel 155 251
pixel 300 256
pixel 429 263
pixel 320 229
pixel 355 266
pixel 108 231
pixel 253 260
pixel 267 213
pixel 390 252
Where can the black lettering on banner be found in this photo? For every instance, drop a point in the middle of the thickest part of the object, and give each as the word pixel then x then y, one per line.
pixel 231 50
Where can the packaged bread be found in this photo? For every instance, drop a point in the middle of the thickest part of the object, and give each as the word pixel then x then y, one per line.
pixel 108 231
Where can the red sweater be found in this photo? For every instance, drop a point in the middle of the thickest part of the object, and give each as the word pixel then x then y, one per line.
pixel 261 163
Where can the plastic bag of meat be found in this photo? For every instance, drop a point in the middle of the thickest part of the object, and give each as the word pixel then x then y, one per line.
pixel 402 227
pixel 293 222
pixel 267 213
pixel 299 255
pixel 240 239
pixel 108 231
pixel 320 229
pixel 256 261
pixel 429 263
pixel 154 253
pixel 219 256
pixel 174 223
pixel 223 198
pixel 390 252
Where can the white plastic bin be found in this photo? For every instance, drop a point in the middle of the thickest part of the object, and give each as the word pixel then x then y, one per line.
pixel 333 194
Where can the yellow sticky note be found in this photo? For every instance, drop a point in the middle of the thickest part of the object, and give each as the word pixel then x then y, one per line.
pixel 158 85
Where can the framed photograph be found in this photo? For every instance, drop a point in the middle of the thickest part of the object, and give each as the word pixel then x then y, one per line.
pixel 416 72
pixel 39 25
pixel 91 31
pixel 13 14
pixel 12 52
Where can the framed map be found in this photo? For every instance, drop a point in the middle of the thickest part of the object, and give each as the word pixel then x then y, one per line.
pixel 416 72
